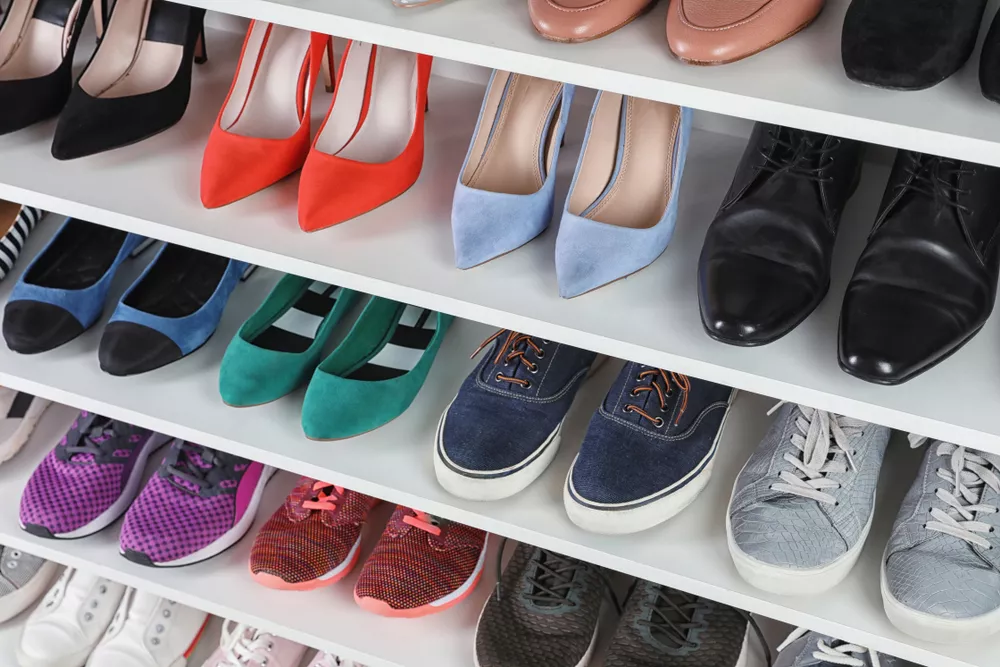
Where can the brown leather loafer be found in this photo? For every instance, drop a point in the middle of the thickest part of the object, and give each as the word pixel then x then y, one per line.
pixel 583 20
pixel 715 32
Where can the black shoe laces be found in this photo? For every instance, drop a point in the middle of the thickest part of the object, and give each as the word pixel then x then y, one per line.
pixel 98 440
pixel 936 177
pixel 799 152
pixel 179 464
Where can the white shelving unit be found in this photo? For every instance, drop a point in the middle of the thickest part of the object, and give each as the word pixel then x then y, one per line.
pixel 403 251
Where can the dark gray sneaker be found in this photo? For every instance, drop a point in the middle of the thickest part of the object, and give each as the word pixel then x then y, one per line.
pixel 544 612
pixel 664 627
pixel 805 648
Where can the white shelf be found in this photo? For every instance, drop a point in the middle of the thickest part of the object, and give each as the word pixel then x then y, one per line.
pixel 403 251
pixel 395 463
pixel 326 619
pixel 800 82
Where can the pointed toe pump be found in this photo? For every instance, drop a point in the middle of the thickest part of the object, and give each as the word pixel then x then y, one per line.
pixel 37 41
pixel 169 312
pixel 62 292
pixel 138 82
pixel 506 189
pixel 262 133
pixel 279 347
pixel 370 148
pixel 622 206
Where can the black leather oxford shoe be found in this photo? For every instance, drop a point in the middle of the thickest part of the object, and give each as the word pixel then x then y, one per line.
pixel 765 264
pixel 927 280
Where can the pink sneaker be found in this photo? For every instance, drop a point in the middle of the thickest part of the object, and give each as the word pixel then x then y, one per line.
pixel 243 646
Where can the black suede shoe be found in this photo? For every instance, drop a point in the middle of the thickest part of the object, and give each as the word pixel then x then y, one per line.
pixel 36 51
pixel 909 44
pixel 765 264
pixel 139 81
pixel 989 62
pixel 927 280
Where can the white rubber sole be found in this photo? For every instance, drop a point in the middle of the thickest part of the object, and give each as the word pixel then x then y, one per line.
pixel 508 481
pixel 117 508
pixel 620 519
pixel 13 604
pixel 77 659
pixel 933 628
pixel 230 537
pixel 463 590
pixel 13 444
pixel 751 654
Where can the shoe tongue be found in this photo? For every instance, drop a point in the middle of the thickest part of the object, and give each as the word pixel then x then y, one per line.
pixel 144 604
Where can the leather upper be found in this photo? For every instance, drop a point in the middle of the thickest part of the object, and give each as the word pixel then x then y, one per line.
pixel 765 263
pixel 714 32
pixel 927 279
pixel 581 20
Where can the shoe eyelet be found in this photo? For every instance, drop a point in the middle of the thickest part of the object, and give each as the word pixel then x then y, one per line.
pixel 88 616
pixel 166 613
pixel 497 377
pixel 632 393
pixel 540 354
pixel 12 564
pixel 15 554
pixel 93 604
pixel 658 423
pixel 155 641
pixel 102 589
pixel 270 645
pixel 527 385
pixel 533 370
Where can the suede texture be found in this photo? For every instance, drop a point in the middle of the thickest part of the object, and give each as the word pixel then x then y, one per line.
pixel 486 224
pixel 908 45
pixel 85 305
pixel 337 407
pixel 251 375
pixel 989 62
pixel 590 254
pixel 188 333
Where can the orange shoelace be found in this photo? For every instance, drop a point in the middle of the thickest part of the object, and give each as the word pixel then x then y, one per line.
pixel 324 500
pixel 683 383
pixel 510 346
pixel 423 521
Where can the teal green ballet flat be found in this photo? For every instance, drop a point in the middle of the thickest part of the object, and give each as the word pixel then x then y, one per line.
pixel 275 350
pixel 375 373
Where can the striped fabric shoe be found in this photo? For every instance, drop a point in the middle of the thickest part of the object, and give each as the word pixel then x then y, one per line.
pixel 313 539
pixel 16 223
pixel 421 565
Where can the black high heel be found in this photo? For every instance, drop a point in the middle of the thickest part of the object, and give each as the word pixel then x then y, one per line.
pixel 122 100
pixel 37 43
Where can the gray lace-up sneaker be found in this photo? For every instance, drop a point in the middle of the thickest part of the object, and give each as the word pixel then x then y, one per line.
pixel 23 579
pixel 544 611
pixel 804 648
pixel 664 627
pixel 941 570
pixel 803 504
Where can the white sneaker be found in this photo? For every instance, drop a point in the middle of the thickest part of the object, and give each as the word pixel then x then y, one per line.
pixel 149 631
pixel 322 659
pixel 243 646
pixel 23 579
pixel 19 414
pixel 72 617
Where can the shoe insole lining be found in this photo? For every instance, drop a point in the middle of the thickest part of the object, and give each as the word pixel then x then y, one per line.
pixel 34 38
pixel 179 283
pixel 404 350
pixel 295 330
pixel 78 257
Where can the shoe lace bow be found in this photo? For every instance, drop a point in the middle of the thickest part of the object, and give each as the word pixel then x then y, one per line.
pixel 966 478
pixel 242 644
pixel 823 441
pixel 837 652
pixel 799 152
pixel 514 349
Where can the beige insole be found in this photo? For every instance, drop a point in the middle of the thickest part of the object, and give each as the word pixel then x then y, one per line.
pixel 392 108
pixel 509 161
pixel 126 63
pixel 8 216
pixel 29 47
pixel 266 101
pixel 640 193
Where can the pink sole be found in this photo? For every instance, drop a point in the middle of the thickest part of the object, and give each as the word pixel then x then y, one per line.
pixel 382 608
pixel 276 582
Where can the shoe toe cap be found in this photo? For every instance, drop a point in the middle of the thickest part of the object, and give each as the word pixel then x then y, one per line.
pixel 795 539
pixel 128 348
pixel 951 584
pixel 30 327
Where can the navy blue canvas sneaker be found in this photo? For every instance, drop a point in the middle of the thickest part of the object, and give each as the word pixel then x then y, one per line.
pixel 648 451
pixel 503 428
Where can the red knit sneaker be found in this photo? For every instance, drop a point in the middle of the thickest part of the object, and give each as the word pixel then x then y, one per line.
pixel 313 539
pixel 421 565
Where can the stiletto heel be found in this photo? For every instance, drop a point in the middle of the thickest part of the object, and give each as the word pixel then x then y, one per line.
pixel 138 82
pixel 262 132
pixel 100 19
pixel 201 46
pixel 37 41
pixel 370 148
pixel 329 67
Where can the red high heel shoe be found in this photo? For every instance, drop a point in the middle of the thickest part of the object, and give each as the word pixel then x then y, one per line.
pixel 262 132
pixel 370 148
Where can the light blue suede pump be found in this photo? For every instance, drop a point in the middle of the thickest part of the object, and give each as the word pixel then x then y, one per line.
pixel 506 190
pixel 622 206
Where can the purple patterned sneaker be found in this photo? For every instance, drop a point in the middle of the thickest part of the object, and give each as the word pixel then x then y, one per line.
pixel 89 479
pixel 198 504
